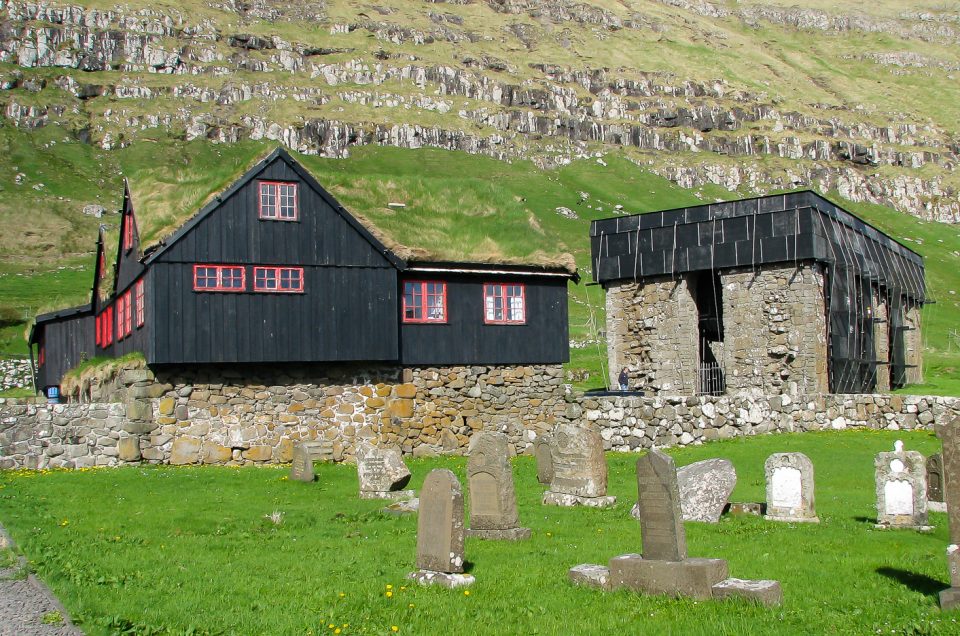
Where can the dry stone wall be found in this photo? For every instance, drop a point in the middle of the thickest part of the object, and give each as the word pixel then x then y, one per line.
pixel 652 330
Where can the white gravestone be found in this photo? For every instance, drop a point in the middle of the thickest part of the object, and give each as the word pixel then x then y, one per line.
pixel 901 489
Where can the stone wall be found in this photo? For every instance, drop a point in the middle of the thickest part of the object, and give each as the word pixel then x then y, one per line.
pixel 222 415
pixel 881 340
pixel 15 373
pixel 633 423
pixel 81 435
pixel 652 330
pixel 913 341
pixel 775 332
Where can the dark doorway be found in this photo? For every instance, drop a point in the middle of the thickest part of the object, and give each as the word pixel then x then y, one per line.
pixel 707 294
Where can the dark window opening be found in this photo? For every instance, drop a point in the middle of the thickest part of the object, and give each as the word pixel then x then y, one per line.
pixel 707 292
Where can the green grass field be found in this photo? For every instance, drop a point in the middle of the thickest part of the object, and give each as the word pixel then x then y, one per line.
pixel 165 550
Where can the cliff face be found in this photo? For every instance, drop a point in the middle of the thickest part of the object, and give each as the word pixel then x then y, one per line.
pixel 754 97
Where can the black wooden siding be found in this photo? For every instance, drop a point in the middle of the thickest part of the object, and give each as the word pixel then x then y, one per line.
pixel 140 339
pixel 344 314
pixel 66 341
pixel 234 233
pixel 465 339
pixel 129 267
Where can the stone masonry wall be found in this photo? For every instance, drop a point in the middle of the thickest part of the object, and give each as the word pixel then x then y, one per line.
pixel 81 435
pixel 881 341
pixel 775 333
pixel 652 330
pixel 218 415
pixel 914 346
pixel 633 423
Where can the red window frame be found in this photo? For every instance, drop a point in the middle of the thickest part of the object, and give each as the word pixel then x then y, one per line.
pixel 416 307
pixel 119 318
pixel 272 197
pixel 264 277
pixel 140 297
pixel 127 314
pixel 108 327
pixel 41 356
pixel 217 276
pixel 504 292
pixel 97 325
pixel 128 233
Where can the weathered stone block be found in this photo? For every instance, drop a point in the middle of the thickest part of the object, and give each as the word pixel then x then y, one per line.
pixel 214 453
pixel 401 408
pixel 406 391
pixel 166 406
pixel 259 453
pixel 765 592
pixel 128 449
pixel 186 450
pixel 590 575
pixel 692 577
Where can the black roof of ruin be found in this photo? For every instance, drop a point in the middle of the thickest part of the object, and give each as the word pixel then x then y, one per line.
pixel 782 228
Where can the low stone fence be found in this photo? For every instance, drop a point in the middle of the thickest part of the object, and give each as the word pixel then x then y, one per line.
pixel 631 423
pixel 434 412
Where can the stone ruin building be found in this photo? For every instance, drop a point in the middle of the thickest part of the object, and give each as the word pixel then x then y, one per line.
pixel 784 293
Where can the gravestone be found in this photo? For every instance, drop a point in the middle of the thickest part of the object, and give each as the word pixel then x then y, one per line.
pixel 949 434
pixel 493 504
pixel 382 473
pixel 705 488
pixel 440 558
pixel 664 567
pixel 542 452
pixel 302 467
pixel 901 489
pixel 579 469
pixel 935 483
pixel 790 488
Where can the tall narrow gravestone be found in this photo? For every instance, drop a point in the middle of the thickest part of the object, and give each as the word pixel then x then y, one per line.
pixel 440 532
pixel 664 567
pixel 493 504
pixel 790 488
pixel 542 452
pixel 382 473
pixel 901 489
pixel 302 467
pixel 949 435
pixel 935 483
pixel 579 469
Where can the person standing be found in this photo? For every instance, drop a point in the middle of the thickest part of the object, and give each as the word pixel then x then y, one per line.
pixel 624 379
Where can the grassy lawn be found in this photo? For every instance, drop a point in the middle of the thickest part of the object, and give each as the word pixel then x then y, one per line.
pixel 163 550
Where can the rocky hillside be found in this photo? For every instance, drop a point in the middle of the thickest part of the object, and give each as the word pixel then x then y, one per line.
pixel 751 96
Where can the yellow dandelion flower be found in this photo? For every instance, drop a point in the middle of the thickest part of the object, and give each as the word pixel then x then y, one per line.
pixel 342 595
pixel 403 587
pixel 466 592
pixel 389 594
pixel 411 606
pixel 389 587
pixel 336 631
pixel 549 534
pixel 394 628
pixel 331 626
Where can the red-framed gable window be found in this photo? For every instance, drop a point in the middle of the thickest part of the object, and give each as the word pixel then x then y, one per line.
pixel 125 320
pixel 121 303
pixel 97 322
pixel 281 280
pixel 278 201
pixel 128 233
pixel 42 356
pixel 424 301
pixel 222 278
pixel 504 304
pixel 140 297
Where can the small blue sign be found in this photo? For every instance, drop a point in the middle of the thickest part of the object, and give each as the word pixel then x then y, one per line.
pixel 53 394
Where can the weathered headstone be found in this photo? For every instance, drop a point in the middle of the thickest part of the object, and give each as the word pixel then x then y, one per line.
pixel 949 435
pixel 705 488
pixel 382 473
pixel 935 483
pixel 440 557
pixel 493 504
pixel 542 452
pixel 901 489
pixel 664 567
pixel 302 467
pixel 579 468
pixel 790 488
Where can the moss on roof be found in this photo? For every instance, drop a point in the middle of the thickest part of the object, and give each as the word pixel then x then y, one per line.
pixel 167 194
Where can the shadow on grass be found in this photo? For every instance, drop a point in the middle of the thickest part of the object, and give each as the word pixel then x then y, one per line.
pixel 917 582
pixel 871 520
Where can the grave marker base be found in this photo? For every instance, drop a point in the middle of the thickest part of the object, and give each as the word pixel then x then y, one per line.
pixel 507 534
pixel 449 580
pixel 590 575
pixel 790 519
pixel 393 495
pixel 551 498
pixel 765 592
pixel 937 506
pixel 693 577
pixel 894 526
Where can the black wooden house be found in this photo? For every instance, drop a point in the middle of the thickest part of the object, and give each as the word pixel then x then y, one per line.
pixel 275 270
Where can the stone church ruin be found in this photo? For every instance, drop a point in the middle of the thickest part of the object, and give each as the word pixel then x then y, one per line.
pixel 776 294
